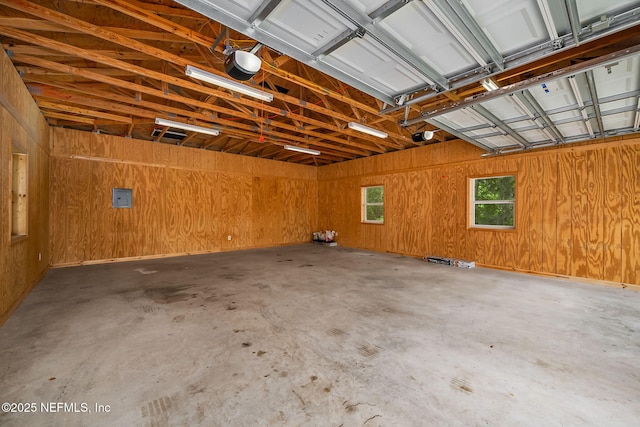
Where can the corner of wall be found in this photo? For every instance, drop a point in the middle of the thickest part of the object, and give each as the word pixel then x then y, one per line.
pixel 24 261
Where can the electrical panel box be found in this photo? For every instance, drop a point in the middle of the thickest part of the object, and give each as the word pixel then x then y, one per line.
pixel 122 198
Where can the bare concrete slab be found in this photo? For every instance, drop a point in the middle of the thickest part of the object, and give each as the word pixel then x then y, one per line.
pixel 319 336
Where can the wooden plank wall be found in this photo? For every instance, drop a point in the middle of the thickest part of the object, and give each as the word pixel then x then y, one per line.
pixel 184 200
pixel 22 124
pixel 577 209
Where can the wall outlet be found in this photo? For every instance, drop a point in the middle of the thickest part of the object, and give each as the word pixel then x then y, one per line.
pixel 229 237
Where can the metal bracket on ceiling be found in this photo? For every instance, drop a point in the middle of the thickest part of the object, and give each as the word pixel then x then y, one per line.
pixel 462 25
pixel 359 32
pixel 256 47
pixel 339 41
pixel 435 90
pixel 531 106
pixel 486 114
pixel 388 42
pixel 609 66
pixel 33 90
pixel 454 132
pixel 223 30
pixel 574 20
pixel 602 24
pixel 387 9
pixel 261 13
pixel 591 85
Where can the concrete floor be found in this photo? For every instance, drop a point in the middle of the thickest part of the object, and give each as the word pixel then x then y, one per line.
pixel 317 336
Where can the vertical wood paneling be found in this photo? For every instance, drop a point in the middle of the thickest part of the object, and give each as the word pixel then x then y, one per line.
pixel 176 207
pixel 460 213
pixel 426 186
pixel 523 213
pixel 398 196
pixel 595 214
pixel 437 213
pixel 235 208
pixel 549 214
pixel 57 207
pixel 265 205
pixel 511 237
pixel 564 214
pixel 536 176
pixel 5 302
pixel 579 215
pixel 21 123
pixel 478 239
pixel 612 217
pixel 494 250
pixel 577 210
pixel 449 203
pixel 631 215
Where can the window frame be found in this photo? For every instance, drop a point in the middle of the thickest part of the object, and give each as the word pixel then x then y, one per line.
pixel 471 212
pixel 20 206
pixel 364 204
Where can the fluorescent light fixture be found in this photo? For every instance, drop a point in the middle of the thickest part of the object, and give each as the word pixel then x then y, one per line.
pixel 489 85
pixel 205 76
pixel 367 129
pixel 302 150
pixel 187 126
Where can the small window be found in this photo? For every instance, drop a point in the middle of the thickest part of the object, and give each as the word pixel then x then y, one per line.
pixel 122 198
pixel 493 202
pixel 19 190
pixel 373 204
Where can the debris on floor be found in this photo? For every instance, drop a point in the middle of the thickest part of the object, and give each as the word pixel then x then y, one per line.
pixel 325 238
pixel 450 261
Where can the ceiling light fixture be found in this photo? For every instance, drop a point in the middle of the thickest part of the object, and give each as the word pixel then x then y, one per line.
pixel 302 150
pixel 187 126
pixel 205 76
pixel 367 129
pixel 489 85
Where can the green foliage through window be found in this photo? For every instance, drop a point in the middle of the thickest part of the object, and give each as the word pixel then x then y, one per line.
pixel 375 194
pixel 494 201
pixel 499 188
pixel 373 204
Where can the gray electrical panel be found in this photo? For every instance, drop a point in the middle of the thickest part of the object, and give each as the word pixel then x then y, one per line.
pixel 122 198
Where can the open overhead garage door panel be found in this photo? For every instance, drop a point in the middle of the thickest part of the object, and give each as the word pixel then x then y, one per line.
pixel 502 75
pixel 416 55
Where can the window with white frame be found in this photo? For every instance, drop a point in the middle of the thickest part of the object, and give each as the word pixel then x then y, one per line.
pixel 373 204
pixel 493 202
